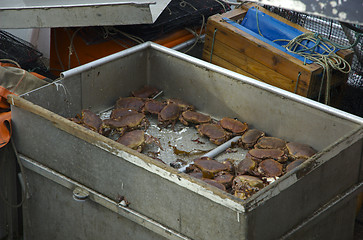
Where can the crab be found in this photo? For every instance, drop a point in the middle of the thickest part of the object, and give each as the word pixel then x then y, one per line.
pixel 214 132
pixel 270 168
pixel 169 115
pixel 270 143
pixel 134 103
pixel 198 175
pixel 233 125
pixel 224 178
pixel 137 139
pixel 247 166
pixel 182 105
pixel 121 112
pixel 262 154
pixel 299 150
pixel 190 116
pixel 294 164
pixel 145 92
pixel 209 166
pixel 230 165
pixel 214 183
pixel 245 186
pixel 127 122
pixel 249 138
pixel 153 106
pixel 90 120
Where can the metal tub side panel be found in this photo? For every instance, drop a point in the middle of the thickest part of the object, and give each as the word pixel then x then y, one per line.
pixel 61 97
pixel 159 198
pixel 94 86
pixel 335 224
pixel 282 209
pixel 221 93
pixel 51 213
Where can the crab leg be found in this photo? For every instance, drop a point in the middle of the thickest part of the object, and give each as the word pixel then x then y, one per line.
pixel 221 148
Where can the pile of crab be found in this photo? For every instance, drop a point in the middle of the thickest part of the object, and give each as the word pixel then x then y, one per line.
pixel 128 120
pixel 267 158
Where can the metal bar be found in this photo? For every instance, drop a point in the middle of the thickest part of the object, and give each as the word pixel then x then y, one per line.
pixel 102 200
pixel 221 148
pixel 103 60
pixel 187 43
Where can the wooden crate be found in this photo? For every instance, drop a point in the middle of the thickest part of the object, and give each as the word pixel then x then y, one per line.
pixel 236 50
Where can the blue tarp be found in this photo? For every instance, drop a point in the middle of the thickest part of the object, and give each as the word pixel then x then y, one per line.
pixel 271 29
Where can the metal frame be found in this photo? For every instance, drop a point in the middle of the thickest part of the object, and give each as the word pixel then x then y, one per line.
pixel 101 199
pixel 73 13
pixel 345 11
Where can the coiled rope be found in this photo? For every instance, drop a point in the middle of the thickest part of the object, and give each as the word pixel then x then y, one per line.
pixel 328 58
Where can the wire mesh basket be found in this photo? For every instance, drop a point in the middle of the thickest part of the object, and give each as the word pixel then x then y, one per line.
pixel 16 49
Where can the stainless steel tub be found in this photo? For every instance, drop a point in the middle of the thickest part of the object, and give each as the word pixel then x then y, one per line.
pixel 316 200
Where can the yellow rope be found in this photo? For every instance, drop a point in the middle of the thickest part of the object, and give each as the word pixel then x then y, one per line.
pixel 328 59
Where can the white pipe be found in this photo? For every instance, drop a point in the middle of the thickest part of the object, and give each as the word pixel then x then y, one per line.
pixel 221 148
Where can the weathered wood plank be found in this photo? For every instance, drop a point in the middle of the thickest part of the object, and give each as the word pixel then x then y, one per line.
pixel 256 55
pixel 255 68
pixel 259 51
pixel 224 63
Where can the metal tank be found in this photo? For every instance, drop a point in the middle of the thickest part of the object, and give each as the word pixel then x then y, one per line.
pixel 76 178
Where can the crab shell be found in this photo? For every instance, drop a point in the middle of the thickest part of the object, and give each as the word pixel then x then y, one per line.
pixel 194 117
pixel 299 150
pixel 153 107
pixel 249 138
pixel 270 168
pixel 137 139
pixel 295 164
pixel 198 175
pixel 129 122
pixel 224 178
pixel 270 143
pixel 214 183
pixel 134 139
pixel 90 120
pixel 247 182
pixel 262 154
pixel 121 112
pixel 233 125
pixel 134 103
pixel 209 167
pixel 230 165
pixel 169 114
pixel 215 132
pixel 247 165
pixel 182 105
pixel 145 92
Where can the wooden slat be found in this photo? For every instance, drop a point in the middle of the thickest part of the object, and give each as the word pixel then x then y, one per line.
pixel 224 63
pixel 260 51
pixel 259 55
pixel 253 67
pixel 236 14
